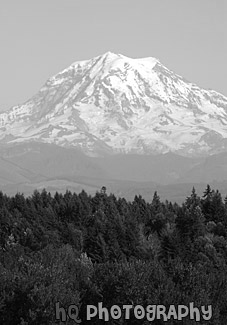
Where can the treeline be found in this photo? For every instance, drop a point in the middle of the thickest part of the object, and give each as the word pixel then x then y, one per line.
pixel 80 249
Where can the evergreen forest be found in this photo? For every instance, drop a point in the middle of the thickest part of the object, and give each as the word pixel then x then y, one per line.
pixel 75 248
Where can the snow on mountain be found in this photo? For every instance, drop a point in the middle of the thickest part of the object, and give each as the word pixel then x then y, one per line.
pixel 115 104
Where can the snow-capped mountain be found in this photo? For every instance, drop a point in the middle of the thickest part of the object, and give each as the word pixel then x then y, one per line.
pixel 115 104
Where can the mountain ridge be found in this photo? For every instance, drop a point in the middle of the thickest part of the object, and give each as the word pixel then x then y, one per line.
pixel 25 167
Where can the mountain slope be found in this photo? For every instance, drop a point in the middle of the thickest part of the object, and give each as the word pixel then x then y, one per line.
pixel 114 104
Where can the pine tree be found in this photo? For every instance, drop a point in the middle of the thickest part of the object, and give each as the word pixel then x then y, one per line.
pixel 207 192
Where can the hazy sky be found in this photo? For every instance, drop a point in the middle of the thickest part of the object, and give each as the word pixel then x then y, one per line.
pixel 39 38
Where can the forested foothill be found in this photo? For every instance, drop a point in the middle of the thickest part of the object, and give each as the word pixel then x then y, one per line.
pixel 82 249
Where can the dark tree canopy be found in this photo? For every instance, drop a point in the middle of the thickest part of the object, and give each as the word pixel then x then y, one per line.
pixel 83 249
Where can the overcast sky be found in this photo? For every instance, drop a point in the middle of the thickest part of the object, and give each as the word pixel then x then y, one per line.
pixel 39 38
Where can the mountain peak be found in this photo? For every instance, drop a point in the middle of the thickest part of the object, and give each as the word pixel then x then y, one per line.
pixel 113 103
pixel 110 54
pixel 113 56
